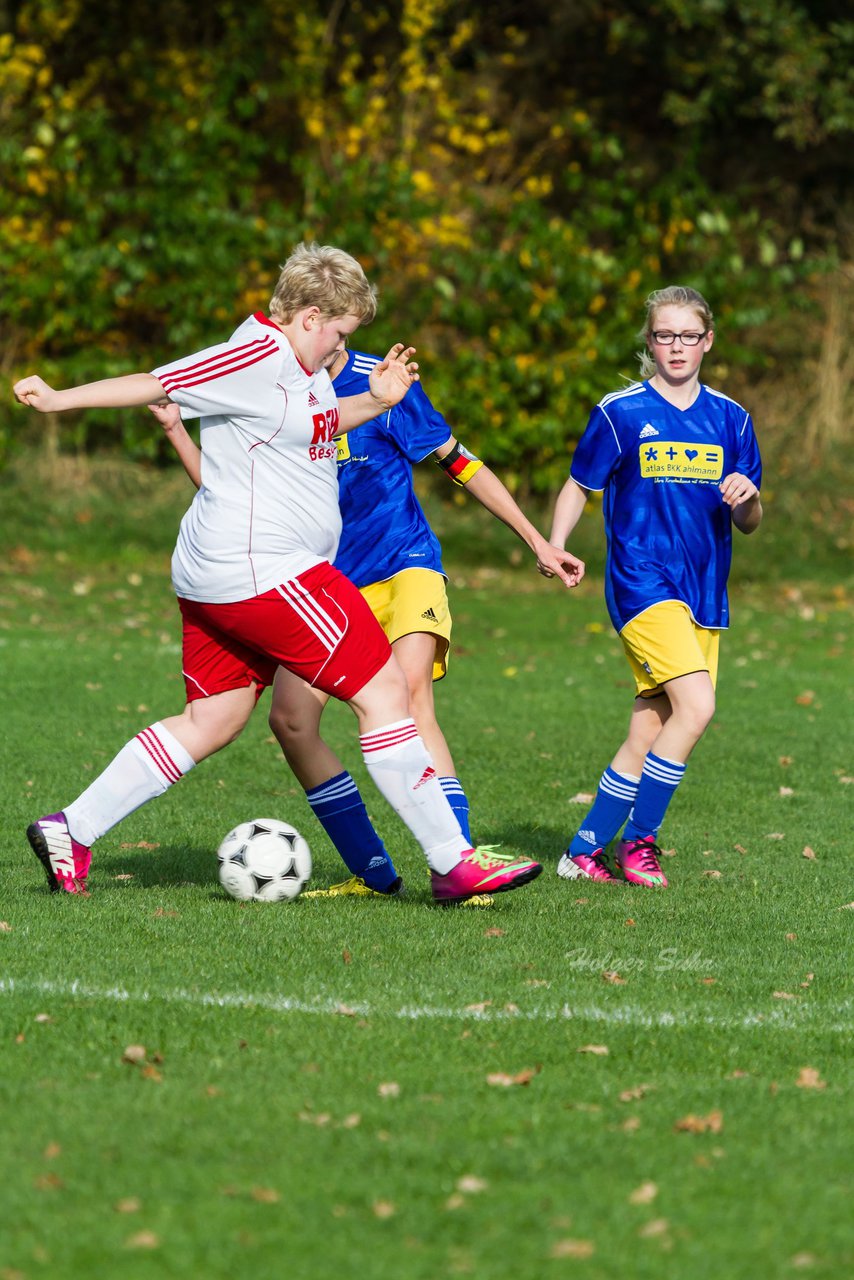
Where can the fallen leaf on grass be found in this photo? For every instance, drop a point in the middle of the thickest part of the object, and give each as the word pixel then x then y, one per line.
pixel 775 835
pixel 708 982
pixel 793 937
pixel 52 1150
pixel 611 975
pixel 668 853
pixel 713 875
pixel 319 1118
pixel 783 995
pixel 808 979
pixel 130 1204
pixel 351 1121
pixel 140 844
pixel 345 1011
pixel 537 982
pixel 801 1260
pixel 160 914
pixel 634 1094
pixel 42 1017
pixel 712 1123
pixel 644 1194
pixel 150 1072
pixel 470 1184
pixel 809 853
pixel 785 761
pixel 455 1201
pixel 657 1227
pixel 504 1081
pixel 383 1209
pixel 265 1195
pixel 809 1078
pixel 493 932
pixel 631 1125
pixel 739 848
pixel 785 791
pixel 134 1054
pixel 5 927
pixel 599 1049
pixel 480 1007
pixel 581 797
pixel 572 1249
pixel 389 1089
pixel 848 906
pixel 346 956
pixel 805 699
pixel 48 1182
pixel 629 923
pixel 143 1240
pixel 126 876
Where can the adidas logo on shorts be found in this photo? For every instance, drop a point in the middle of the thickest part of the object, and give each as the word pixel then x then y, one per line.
pixel 430 615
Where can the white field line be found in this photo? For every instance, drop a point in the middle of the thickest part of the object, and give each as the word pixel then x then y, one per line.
pixel 783 1017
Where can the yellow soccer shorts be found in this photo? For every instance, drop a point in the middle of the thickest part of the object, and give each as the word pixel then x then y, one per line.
pixel 664 642
pixel 414 600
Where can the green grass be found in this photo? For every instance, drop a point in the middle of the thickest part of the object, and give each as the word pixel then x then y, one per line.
pixel 315 1098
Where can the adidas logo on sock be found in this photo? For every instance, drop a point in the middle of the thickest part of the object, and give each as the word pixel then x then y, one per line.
pixel 428 773
pixel 649 430
pixel 588 836
pixel 429 615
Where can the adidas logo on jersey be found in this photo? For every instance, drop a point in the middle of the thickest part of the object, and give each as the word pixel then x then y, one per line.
pixel 649 430
pixel 429 615
pixel 312 399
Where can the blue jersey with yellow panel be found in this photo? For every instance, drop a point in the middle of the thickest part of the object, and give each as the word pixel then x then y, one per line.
pixel 669 531
pixel 385 529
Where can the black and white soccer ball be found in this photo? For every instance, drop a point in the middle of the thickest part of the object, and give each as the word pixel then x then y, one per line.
pixel 264 861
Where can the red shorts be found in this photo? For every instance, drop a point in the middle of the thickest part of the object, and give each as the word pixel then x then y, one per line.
pixel 318 626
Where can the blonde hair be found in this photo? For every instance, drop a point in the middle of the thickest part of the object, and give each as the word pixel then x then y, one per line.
pixel 673 295
pixel 318 275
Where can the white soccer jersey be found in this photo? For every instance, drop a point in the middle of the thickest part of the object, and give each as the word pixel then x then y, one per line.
pixel 267 508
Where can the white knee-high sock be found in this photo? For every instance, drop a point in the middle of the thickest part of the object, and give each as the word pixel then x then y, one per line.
pixel 144 768
pixel 399 764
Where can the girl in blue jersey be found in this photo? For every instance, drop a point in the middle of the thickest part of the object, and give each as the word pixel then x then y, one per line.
pixel 678 465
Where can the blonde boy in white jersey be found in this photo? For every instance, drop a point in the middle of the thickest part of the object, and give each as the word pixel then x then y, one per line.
pixel 253 575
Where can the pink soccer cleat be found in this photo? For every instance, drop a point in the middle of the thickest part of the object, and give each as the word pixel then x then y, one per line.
pixel 638 860
pixel 586 866
pixel 481 872
pixel 65 861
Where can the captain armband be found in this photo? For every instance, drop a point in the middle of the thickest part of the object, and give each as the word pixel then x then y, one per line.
pixel 460 465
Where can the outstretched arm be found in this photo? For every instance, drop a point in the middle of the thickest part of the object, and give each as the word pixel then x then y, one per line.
pixel 112 393
pixel 390 381
pixel 742 497
pixel 492 493
pixel 568 509
pixel 169 417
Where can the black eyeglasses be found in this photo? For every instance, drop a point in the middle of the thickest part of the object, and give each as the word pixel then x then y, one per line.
pixel 665 338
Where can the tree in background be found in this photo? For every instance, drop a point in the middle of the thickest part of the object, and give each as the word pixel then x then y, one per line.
pixel 517 177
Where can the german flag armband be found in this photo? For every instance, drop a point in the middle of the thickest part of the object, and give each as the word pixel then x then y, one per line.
pixel 460 465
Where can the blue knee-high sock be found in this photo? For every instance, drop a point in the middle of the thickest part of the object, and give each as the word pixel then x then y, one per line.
pixel 340 810
pixel 459 802
pixel 659 780
pixel 609 811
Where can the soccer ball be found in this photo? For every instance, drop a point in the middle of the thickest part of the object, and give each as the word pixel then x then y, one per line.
pixel 264 861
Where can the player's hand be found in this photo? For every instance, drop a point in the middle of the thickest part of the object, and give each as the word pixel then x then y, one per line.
pixel 736 489
pixel 36 394
pixel 392 377
pixel 554 562
pixel 168 415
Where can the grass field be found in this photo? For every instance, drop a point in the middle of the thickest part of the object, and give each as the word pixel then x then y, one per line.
pixel 578 1081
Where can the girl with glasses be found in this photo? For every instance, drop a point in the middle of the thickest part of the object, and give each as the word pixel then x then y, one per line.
pixel 678 465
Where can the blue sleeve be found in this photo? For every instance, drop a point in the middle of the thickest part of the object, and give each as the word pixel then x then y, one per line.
pixel 749 462
pixel 418 429
pixel 597 452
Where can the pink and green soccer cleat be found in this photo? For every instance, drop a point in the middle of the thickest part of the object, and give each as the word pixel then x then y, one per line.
pixel 638 861
pixel 481 872
pixel 586 866
pixel 65 860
